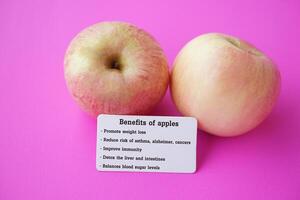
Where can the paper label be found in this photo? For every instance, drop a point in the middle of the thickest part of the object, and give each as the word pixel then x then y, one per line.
pixel 146 143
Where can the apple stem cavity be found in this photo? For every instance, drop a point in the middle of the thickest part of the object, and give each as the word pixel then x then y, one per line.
pixel 244 46
pixel 114 63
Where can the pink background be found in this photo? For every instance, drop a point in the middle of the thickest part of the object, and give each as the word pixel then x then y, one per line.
pixel 47 144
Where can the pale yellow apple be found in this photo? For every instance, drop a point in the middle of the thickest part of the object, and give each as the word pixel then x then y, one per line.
pixel 226 83
pixel 116 68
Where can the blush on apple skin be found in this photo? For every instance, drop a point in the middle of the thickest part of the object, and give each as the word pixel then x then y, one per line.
pixel 226 83
pixel 116 68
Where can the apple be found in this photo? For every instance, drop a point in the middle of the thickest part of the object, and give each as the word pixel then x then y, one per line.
pixel 115 68
pixel 227 84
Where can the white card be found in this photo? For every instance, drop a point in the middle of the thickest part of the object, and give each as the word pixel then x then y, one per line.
pixel 146 143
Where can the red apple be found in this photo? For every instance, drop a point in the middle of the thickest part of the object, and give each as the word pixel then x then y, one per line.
pixel 225 82
pixel 116 68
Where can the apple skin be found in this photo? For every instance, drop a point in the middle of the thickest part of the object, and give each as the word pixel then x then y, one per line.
pixel 115 68
pixel 224 82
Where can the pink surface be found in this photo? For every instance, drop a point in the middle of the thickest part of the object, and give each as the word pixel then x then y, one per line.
pixel 47 144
